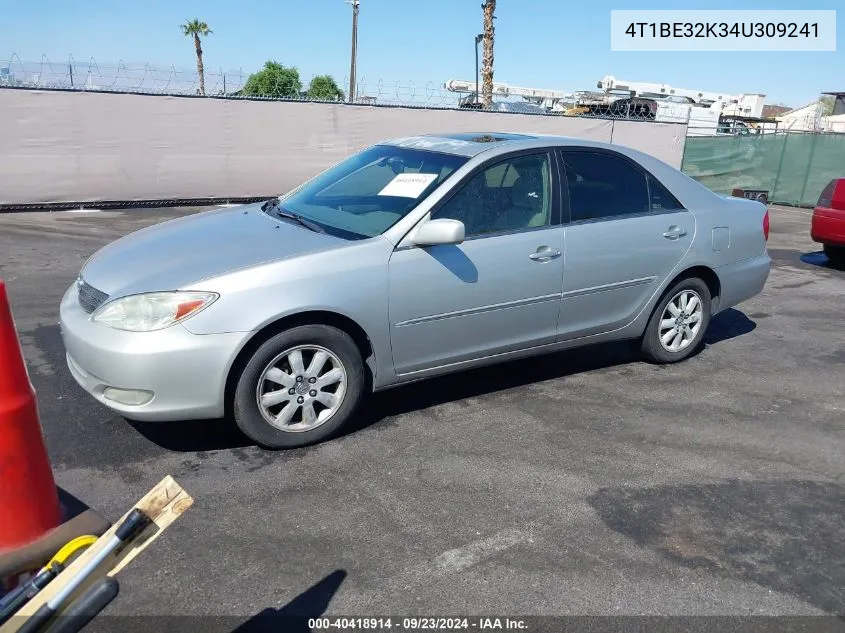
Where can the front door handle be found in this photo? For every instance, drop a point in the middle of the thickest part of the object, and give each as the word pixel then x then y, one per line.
pixel 544 254
pixel 674 232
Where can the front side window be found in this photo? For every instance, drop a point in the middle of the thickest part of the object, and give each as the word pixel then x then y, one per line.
pixel 369 192
pixel 604 186
pixel 511 195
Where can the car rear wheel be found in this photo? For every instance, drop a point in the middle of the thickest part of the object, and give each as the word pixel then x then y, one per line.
pixel 676 328
pixel 300 387
pixel 836 254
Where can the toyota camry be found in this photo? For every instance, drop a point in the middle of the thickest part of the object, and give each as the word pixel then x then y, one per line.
pixel 412 258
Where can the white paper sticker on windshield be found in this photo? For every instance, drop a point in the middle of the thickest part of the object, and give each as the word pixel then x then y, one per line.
pixel 408 185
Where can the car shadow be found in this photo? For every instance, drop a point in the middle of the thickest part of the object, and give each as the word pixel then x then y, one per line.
pixel 472 383
pixel 192 436
pixel 211 435
pixel 727 325
pixel 293 617
pixel 818 258
pixel 455 261
pixel 783 535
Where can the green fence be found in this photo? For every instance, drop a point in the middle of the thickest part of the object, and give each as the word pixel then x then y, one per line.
pixel 793 166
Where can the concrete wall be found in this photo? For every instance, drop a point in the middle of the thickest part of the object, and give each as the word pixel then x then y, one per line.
pixel 89 147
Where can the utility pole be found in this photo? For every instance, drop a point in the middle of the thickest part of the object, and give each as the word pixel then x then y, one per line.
pixel 478 39
pixel 353 62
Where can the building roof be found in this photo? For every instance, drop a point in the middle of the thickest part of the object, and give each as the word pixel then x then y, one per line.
pixel 774 110
pixel 803 107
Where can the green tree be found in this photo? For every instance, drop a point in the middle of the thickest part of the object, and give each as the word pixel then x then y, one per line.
pixel 196 28
pixel 274 80
pixel 827 105
pixel 325 88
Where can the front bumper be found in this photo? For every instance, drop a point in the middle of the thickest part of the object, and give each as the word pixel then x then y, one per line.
pixel 185 373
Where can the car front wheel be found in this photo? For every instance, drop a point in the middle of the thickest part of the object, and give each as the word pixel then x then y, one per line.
pixel 677 326
pixel 300 387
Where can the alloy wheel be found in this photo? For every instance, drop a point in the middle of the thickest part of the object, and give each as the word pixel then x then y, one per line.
pixel 301 388
pixel 681 321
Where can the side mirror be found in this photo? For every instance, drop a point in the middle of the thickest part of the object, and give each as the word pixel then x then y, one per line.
pixel 437 232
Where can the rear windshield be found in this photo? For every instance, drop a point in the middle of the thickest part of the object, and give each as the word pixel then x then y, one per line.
pixel 369 192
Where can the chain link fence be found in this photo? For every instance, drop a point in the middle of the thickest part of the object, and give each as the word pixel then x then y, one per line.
pixel 144 78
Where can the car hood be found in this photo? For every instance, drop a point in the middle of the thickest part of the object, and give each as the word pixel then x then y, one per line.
pixel 177 253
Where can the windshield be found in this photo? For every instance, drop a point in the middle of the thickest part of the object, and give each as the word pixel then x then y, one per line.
pixel 369 192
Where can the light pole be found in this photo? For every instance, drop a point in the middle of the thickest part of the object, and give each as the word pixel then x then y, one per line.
pixel 478 39
pixel 354 4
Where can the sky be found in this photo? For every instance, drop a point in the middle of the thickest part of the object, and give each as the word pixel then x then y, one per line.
pixel 551 44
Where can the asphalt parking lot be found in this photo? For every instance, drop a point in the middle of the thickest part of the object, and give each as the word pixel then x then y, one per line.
pixel 579 483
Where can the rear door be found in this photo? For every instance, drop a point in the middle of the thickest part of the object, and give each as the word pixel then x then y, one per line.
pixel 625 234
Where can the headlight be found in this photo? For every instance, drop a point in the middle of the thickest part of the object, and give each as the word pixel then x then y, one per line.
pixel 153 310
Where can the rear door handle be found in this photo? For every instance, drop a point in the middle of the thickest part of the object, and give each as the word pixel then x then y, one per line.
pixel 544 254
pixel 674 232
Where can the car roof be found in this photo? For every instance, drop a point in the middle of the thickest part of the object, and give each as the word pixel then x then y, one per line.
pixel 471 144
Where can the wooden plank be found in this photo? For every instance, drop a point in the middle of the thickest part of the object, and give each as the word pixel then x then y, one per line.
pixel 164 503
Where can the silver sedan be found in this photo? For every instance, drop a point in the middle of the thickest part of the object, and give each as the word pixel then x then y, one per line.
pixel 413 258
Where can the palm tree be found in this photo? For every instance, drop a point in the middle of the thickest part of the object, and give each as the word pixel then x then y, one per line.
pixel 489 8
pixel 195 28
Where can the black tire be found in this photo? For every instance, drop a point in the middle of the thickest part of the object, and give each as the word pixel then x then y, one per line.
pixel 247 412
pixel 836 254
pixel 650 345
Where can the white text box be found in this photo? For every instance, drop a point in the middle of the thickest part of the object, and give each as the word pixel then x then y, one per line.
pixel 723 30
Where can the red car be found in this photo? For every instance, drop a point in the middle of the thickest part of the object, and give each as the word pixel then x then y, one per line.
pixel 828 224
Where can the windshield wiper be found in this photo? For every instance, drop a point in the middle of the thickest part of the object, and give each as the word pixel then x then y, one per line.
pixel 272 202
pixel 288 215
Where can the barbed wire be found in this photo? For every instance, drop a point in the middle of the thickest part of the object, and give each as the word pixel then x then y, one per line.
pixel 120 77
pixel 145 78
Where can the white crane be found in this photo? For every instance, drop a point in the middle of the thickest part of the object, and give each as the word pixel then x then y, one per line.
pixel 540 96
pixel 750 105
pixel 646 89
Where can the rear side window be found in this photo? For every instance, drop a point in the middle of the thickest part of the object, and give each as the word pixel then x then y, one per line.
pixel 661 199
pixel 604 186
pixel 826 197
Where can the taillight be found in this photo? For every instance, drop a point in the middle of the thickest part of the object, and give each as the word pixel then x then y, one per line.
pixel 766 225
pixel 833 196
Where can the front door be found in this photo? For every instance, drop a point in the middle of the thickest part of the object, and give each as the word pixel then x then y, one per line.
pixel 499 290
pixel 626 234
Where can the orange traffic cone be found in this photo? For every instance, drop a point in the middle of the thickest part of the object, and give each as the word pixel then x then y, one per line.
pixel 29 501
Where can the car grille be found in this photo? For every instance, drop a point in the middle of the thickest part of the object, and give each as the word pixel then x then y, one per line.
pixel 89 297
